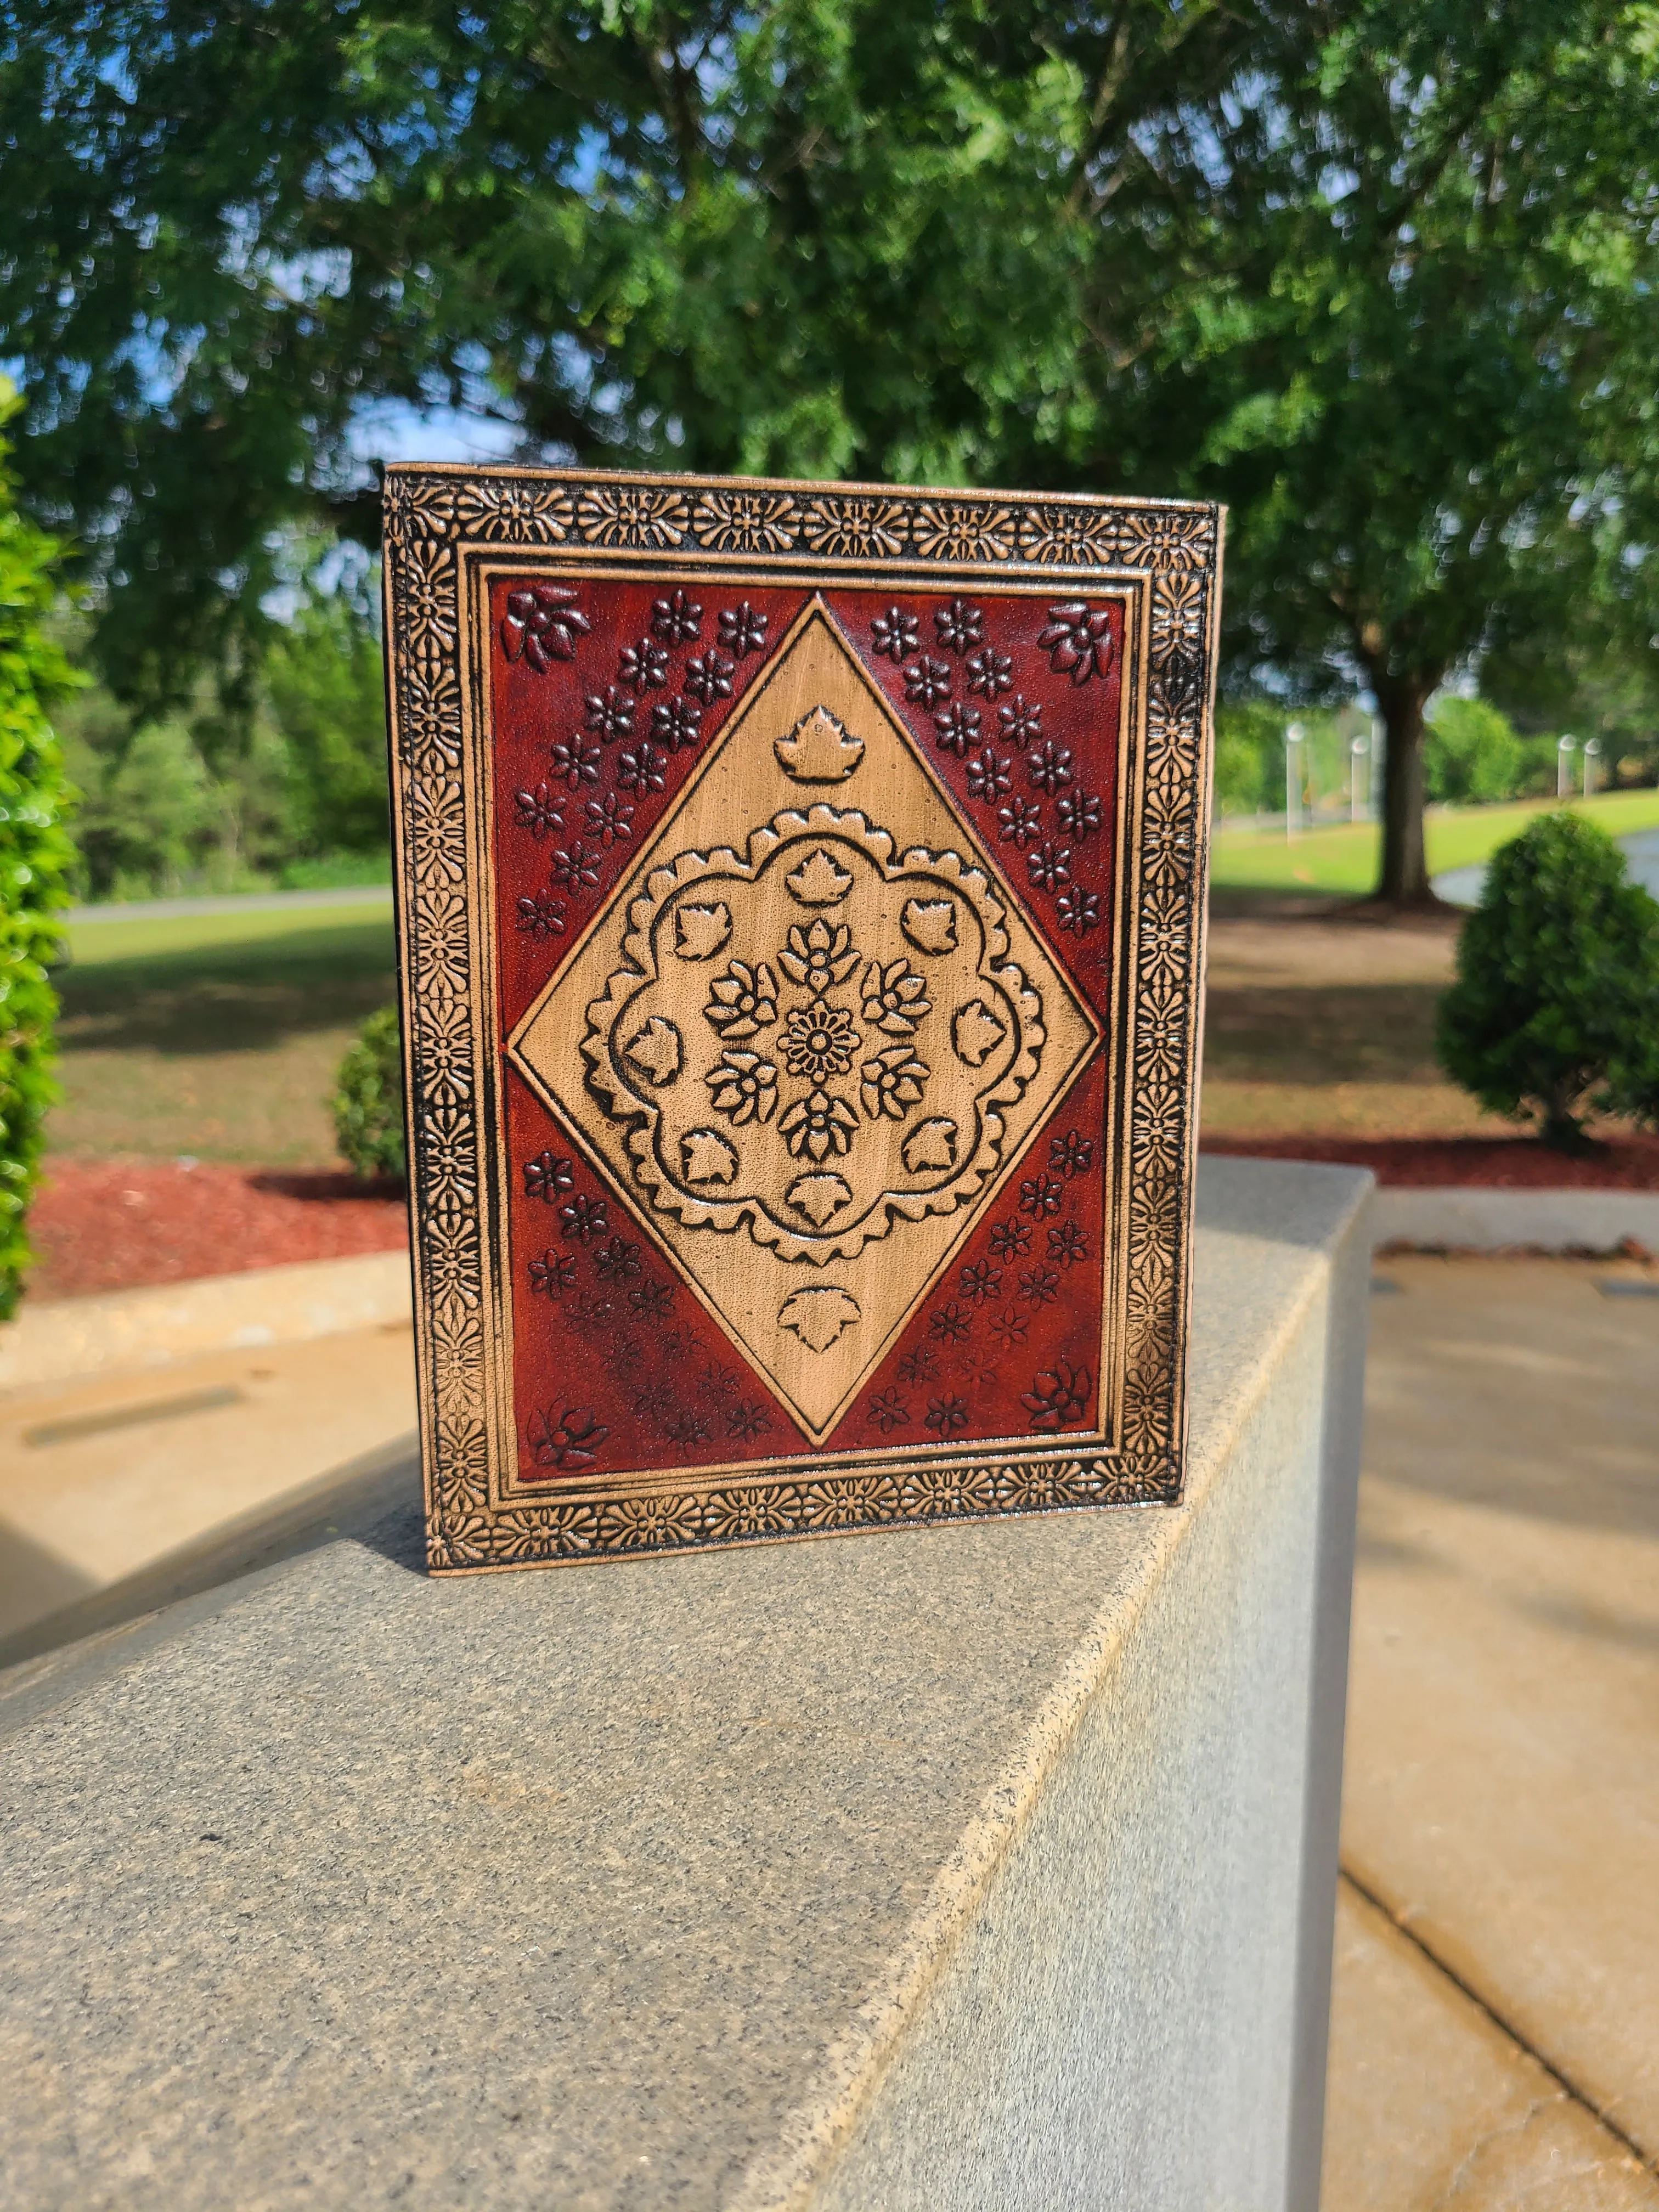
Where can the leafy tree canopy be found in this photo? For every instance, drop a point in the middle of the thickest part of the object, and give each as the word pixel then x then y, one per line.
pixel 1381 276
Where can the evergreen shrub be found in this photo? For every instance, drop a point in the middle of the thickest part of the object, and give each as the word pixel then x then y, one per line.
pixel 36 859
pixel 369 1099
pixel 1556 1004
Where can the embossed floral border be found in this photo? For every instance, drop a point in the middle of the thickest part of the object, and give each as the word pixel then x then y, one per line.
pixel 432 516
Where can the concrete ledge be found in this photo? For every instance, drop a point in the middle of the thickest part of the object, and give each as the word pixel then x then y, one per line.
pixel 126 1331
pixel 990 1867
pixel 1494 1220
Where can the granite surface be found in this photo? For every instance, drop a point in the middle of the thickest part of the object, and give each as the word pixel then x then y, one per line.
pixel 607 1888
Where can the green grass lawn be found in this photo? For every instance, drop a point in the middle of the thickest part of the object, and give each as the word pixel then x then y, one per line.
pixel 1342 860
pixel 215 1035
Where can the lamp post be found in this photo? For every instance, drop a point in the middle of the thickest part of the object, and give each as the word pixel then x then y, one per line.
pixel 1592 752
pixel 1563 745
pixel 1292 782
pixel 1357 806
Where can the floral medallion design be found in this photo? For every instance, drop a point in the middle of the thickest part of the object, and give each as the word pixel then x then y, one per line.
pixel 822 1033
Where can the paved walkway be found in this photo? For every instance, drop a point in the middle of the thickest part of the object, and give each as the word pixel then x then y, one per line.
pixel 1495 2036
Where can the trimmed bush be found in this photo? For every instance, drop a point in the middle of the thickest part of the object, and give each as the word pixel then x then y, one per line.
pixel 1556 1004
pixel 369 1099
pixel 36 858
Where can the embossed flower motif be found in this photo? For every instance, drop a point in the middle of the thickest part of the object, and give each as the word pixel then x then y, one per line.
pixel 947 1415
pixel 1021 720
pixel 959 626
pixel 951 1322
pixel 1041 1194
pixel 542 624
pixel 927 681
pixel 1009 1240
pixel 819 955
pixel 540 812
pixel 644 769
pixel 569 1438
pixel 1161 1034
pixel 428 582
pixel 655 1300
pixel 676 620
pixel 709 678
pixel 609 715
pixel 1177 625
pixel 1075 536
pixel 957 728
pixel 919 1364
pixel 1167 836
pixel 819 1040
pixel 1049 866
pixel 1159 1127
pixel 1165 540
pixel 891 1083
pixel 1038 1287
pixel 818 1126
pixel 541 916
pixel 1078 910
pixel 452 1258
pixel 1059 1395
pixel 576 762
pixel 1019 822
pixel 836 1504
pixel 895 998
pixel 895 632
pixel 745 1087
pixel 858 529
pixel 745 999
pixel 579 864
pixel 745 521
pixel 964 530
pixel 618 1261
pixel 989 776
pixel 676 723
pixel 610 817
pixel 746 1419
pixel 540 512
pixel 584 1218
pixel 1078 640
pixel 990 673
pixel 1071 1155
pixel 554 1271
pixel 1051 767
pixel 437 835
pixel 1067 1243
pixel 687 1428
pixel 980 1281
pixel 741 630
pixel 1079 815
pixel 644 667
pixel 1165 936
pixel 632 514
pixel 431 715
pixel 547 1175
pixel 888 1411
pixel 1009 1328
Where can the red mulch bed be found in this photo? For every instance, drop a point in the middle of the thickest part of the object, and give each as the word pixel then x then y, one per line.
pixel 114 1224
pixel 1467 1162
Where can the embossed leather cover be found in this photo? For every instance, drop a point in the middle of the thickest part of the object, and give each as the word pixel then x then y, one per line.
pixel 800 900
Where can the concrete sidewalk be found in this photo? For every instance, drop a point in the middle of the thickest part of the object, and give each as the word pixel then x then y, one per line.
pixel 1496 2035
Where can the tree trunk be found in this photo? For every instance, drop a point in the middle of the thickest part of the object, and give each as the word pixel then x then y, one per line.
pixel 1405 866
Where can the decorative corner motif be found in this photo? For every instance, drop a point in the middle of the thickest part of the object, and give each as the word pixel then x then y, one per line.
pixel 443 528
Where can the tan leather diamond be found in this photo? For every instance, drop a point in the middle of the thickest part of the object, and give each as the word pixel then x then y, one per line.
pixel 811 1034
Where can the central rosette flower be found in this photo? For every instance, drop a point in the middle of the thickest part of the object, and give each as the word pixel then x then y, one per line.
pixel 820 1040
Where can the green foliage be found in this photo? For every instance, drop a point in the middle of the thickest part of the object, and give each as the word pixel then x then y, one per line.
pixel 367 1104
pixel 1556 1004
pixel 1383 277
pixel 1249 758
pixel 1471 755
pixel 35 857
pixel 293 789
